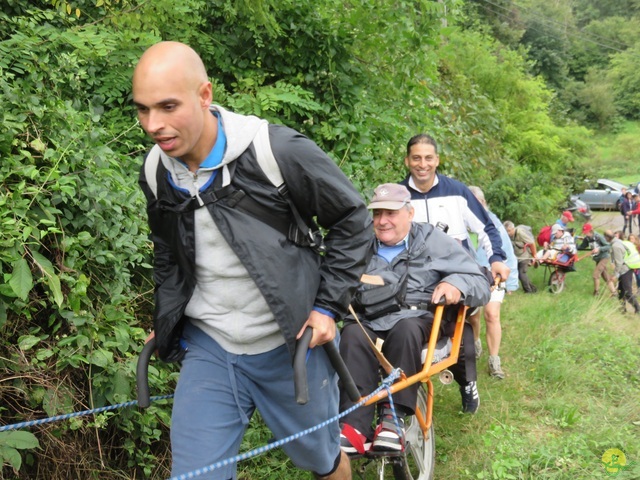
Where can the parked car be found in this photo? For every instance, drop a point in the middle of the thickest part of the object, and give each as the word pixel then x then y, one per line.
pixel 577 206
pixel 602 194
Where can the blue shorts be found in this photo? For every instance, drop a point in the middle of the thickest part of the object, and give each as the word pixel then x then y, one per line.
pixel 218 392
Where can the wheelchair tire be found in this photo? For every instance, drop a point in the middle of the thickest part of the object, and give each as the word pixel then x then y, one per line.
pixel 419 460
pixel 556 282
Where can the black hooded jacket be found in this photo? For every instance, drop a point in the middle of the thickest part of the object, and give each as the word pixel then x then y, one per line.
pixel 292 279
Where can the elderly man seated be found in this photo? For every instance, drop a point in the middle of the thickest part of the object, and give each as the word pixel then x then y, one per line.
pixel 561 243
pixel 419 265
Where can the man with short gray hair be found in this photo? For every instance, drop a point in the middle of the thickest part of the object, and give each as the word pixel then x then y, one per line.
pixel 521 237
pixel 414 265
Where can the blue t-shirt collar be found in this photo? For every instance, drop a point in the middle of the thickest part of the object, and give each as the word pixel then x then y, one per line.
pixel 390 252
pixel 217 152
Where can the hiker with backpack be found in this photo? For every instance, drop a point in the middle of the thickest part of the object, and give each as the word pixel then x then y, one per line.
pixel 600 253
pixel 625 259
pixel 234 287
pixel 523 247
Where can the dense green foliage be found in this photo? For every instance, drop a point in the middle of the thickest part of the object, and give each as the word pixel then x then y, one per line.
pixel 359 79
pixel 587 50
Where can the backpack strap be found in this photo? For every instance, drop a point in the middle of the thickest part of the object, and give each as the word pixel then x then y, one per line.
pixel 151 169
pixel 265 158
pixel 264 155
pixel 301 232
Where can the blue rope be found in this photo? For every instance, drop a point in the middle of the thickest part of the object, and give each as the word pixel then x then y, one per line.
pixel 57 418
pixel 393 413
pixel 386 383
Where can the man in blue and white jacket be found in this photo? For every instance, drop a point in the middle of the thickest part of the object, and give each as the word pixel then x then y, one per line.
pixel 438 199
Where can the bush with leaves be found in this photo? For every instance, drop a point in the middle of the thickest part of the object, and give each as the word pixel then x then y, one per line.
pixel 75 256
pixel 76 289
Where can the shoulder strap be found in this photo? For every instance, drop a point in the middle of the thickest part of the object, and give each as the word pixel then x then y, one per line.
pixel 265 158
pixel 151 169
pixel 264 155
pixel 302 232
pixel 153 161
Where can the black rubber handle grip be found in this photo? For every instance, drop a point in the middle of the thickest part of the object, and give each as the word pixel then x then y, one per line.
pixel 142 373
pixel 300 369
pixel 343 372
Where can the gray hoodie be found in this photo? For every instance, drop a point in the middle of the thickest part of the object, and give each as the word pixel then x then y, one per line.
pixel 226 304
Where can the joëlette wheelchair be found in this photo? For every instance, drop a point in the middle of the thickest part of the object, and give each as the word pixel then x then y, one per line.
pixel 417 461
pixel 555 269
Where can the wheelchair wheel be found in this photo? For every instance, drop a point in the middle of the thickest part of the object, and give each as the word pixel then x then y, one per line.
pixel 419 459
pixel 556 282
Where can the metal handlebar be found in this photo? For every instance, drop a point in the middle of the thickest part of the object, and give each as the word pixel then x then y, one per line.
pixel 300 369
pixel 142 373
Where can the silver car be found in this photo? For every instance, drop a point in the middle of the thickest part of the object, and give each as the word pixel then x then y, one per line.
pixel 603 194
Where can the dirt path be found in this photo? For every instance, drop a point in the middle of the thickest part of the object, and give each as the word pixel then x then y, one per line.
pixel 603 220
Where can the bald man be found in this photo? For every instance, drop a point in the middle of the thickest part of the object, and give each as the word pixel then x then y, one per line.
pixel 235 285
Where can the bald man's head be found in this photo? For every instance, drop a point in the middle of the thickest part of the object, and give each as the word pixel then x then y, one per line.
pixel 172 94
pixel 171 58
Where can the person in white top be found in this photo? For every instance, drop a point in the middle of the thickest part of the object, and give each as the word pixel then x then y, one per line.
pixel 561 242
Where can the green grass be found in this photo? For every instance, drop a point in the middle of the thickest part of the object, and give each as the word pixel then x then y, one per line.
pixel 572 391
pixel 618 154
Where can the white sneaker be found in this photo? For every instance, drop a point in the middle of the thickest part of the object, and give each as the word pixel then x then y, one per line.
pixel 352 442
pixel 478 344
pixel 495 370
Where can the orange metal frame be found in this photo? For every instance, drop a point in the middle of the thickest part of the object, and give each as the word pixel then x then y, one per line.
pixel 428 370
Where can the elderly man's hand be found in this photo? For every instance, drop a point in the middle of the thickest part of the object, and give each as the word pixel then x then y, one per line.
pixel 324 328
pixel 446 291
